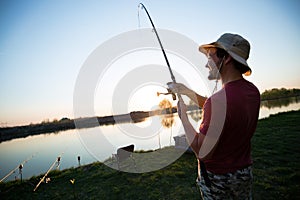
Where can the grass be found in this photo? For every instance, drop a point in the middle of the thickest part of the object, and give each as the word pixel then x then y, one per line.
pixel 276 172
pixel 276 155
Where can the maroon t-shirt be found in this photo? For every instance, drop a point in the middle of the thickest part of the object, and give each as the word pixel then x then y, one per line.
pixel 238 102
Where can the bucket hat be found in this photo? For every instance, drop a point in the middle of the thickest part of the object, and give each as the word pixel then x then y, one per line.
pixel 235 45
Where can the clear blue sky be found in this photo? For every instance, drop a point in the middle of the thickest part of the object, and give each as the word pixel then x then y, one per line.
pixel 43 44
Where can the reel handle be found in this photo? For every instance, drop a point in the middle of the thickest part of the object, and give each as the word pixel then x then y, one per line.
pixel 173 94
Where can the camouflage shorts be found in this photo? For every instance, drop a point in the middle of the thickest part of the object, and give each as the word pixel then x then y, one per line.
pixel 236 185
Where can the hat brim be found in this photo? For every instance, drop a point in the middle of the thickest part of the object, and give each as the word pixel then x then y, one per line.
pixel 204 49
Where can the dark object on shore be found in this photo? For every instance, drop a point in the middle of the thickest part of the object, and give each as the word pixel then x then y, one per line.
pixel 78 158
pixel 123 153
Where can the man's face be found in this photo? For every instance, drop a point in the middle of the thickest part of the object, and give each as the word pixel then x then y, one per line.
pixel 213 63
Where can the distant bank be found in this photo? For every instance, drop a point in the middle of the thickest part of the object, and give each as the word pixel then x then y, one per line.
pixel 8 133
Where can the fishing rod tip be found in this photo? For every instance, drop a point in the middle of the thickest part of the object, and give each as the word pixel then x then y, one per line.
pixel 141 5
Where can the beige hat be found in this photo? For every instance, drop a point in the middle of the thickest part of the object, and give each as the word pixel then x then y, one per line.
pixel 235 45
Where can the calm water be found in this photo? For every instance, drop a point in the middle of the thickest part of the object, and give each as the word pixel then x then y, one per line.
pixel 96 144
pixel 42 150
pixel 281 105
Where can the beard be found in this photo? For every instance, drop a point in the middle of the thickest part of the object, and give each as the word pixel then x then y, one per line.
pixel 214 73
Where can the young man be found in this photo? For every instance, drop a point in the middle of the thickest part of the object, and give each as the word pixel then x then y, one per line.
pixel 223 143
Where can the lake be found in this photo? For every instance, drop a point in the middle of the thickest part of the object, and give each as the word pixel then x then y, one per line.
pixel 39 152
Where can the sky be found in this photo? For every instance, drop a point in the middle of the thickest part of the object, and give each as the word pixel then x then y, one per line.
pixel 43 44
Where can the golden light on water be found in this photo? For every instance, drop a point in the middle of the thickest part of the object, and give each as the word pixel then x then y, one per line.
pixel 167 120
pixel 164 104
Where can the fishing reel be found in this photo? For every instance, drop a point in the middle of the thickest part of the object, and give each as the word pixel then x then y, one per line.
pixel 169 91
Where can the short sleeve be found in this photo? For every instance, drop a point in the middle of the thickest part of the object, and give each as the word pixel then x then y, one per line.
pixel 206 116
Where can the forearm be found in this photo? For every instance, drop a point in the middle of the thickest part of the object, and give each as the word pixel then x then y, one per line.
pixel 193 137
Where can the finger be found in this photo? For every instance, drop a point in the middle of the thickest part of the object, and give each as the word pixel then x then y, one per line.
pixel 171 85
pixel 174 87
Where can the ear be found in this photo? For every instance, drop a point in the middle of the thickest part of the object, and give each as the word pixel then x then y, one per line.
pixel 227 59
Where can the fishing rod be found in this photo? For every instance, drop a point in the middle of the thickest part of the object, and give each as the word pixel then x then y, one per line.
pixel 57 160
pixel 203 170
pixel 20 166
pixel 163 51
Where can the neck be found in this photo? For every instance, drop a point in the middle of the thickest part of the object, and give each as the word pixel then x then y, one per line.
pixel 230 74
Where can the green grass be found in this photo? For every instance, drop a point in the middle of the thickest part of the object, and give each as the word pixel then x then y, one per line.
pixel 276 155
pixel 276 172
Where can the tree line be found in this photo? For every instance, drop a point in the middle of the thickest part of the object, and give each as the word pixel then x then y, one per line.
pixel 276 93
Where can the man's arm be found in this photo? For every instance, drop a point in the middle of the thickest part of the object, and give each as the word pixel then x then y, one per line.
pixel 194 138
pixel 183 90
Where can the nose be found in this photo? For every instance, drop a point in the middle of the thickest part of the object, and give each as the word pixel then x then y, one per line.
pixel 206 65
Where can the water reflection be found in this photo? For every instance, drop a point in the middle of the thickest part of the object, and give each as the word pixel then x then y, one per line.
pixel 283 102
pixel 195 112
pixel 269 107
pixel 40 151
pixel 167 120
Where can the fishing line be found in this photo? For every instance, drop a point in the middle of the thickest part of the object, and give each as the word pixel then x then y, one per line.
pixel 215 88
pixel 138 15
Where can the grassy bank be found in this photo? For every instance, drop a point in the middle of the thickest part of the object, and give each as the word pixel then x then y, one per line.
pixel 276 155
pixel 276 171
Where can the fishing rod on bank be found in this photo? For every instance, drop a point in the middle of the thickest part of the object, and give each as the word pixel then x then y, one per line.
pixel 20 167
pixel 57 160
pixel 164 54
